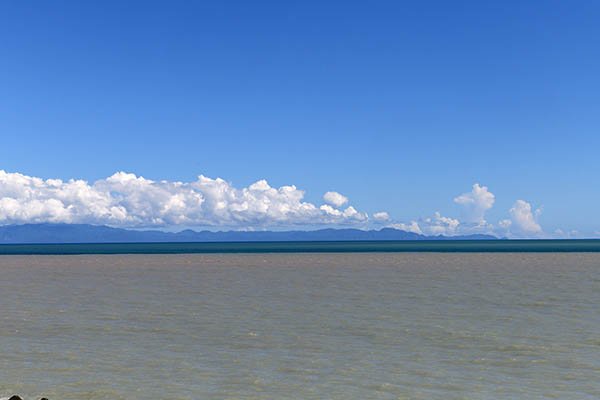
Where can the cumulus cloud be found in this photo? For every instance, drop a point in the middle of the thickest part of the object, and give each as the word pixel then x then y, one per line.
pixel 476 203
pixel 335 199
pixel 572 234
pixel 412 226
pixel 349 212
pixel 505 224
pixel 127 200
pixel 440 225
pixel 433 226
pixel 523 220
pixel 381 216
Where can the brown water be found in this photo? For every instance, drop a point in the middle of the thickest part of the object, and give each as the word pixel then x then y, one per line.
pixel 301 326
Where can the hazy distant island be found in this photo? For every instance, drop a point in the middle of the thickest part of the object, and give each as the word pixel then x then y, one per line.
pixel 84 233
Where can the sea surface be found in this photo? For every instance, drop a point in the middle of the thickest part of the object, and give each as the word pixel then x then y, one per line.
pixel 352 246
pixel 344 325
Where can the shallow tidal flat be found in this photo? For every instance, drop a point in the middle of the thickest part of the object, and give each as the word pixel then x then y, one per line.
pixel 301 326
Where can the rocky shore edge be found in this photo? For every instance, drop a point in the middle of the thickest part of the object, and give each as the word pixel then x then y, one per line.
pixel 15 397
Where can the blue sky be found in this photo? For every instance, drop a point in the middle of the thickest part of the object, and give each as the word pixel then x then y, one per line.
pixel 399 106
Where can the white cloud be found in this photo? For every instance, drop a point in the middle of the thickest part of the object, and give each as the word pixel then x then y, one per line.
pixel 335 199
pixel 572 234
pixel 505 223
pixel 326 208
pixel 413 227
pixel 349 213
pixel 476 203
pixel 127 200
pixel 435 225
pixel 523 221
pixel 440 225
pixel 381 216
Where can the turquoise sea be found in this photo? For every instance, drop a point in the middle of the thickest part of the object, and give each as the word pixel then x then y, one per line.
pixel 591 245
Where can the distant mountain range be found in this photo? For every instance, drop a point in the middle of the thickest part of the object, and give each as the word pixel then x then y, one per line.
pixel 81 233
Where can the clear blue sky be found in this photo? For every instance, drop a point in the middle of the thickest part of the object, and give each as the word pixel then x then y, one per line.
pixel 401 106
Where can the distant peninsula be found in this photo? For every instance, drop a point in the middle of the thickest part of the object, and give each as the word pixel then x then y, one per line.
pixel 84 233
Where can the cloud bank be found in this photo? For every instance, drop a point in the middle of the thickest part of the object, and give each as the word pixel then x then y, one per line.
pixel 131 201
pixel 127 200
pixel 523 221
